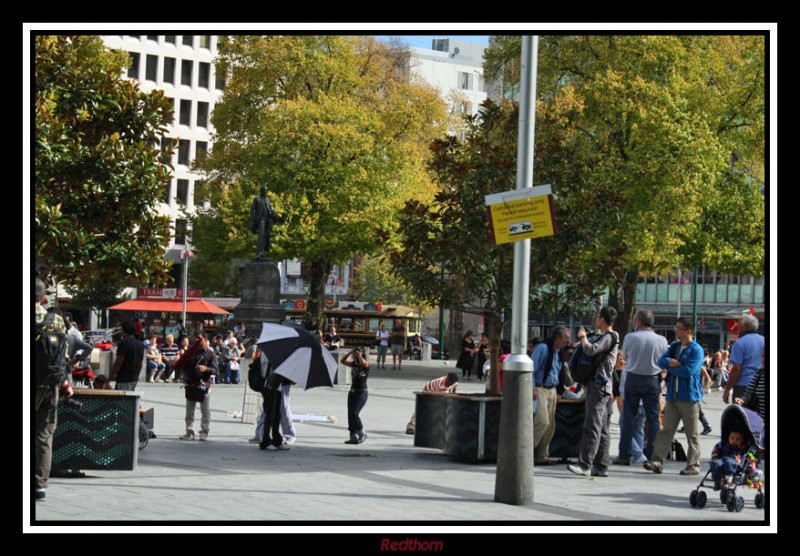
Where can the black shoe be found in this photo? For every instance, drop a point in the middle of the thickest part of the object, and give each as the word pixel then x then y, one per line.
pixel 263 444
pixel 706 430
pixel 351 441
pixel 361 438
pixel 597 472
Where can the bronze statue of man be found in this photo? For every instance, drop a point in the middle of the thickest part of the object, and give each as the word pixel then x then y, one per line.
pixel 262 216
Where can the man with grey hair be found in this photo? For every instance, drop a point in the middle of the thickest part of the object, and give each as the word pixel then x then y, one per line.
pixel 547 366
pixel 745 357
pixel 641 351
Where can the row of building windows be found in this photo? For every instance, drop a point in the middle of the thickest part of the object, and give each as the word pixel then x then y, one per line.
pixel 169 71
pixel 712 287
pixel 184 148
pixel 203 41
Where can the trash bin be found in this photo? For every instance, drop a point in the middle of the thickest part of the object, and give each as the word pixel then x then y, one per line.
pixel 427 349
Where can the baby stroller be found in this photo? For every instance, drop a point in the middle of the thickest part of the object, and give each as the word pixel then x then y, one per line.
pixel 82 373
pixel 736 417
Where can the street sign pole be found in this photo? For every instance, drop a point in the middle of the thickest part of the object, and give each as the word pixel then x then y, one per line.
pixel 514 478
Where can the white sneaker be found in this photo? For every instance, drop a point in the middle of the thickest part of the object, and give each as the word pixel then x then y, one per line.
pixel 254 440
pixel 290 440
pixel 283 446
pixel 640 459
pixel 203 436
pixel 187 436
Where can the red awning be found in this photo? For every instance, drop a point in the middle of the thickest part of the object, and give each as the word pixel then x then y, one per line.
pixel 169 306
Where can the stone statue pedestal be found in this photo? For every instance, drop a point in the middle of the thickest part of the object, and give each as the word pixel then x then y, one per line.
pixel 260 300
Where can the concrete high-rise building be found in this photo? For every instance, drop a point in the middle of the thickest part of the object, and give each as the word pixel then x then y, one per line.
pixel 183 67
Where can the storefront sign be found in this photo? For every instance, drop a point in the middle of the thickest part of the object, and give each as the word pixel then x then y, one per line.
pixel 521 214
pixel 170 293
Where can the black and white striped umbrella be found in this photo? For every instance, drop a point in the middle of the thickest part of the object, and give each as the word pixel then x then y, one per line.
pixel 296 354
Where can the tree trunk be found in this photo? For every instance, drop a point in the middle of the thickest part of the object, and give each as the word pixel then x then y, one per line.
pixel 494 329
pixel 623 299
pixel 320 270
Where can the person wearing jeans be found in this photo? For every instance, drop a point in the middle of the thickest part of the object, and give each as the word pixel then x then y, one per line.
pixel 641 388
pixel 357 396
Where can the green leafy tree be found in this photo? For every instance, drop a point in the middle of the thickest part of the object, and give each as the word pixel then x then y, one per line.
pixel 98 170
pixel 654 142
pixel 379 282
pixel 337 130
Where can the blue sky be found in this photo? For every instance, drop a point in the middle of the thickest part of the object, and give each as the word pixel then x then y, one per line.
pixel 424 41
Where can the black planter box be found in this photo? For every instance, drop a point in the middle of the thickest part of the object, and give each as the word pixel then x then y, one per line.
pixel 467 426
pixel 102 434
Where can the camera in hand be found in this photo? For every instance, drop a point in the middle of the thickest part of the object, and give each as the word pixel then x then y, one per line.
pixel 71 402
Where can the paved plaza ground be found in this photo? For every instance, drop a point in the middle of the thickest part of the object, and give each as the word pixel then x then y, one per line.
pixel 385 481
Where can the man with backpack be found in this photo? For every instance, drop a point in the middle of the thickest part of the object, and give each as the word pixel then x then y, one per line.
pixel 547 368
pixel 595 441
pixel 52 365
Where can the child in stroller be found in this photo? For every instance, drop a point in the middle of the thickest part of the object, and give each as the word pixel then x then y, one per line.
pixel 734 460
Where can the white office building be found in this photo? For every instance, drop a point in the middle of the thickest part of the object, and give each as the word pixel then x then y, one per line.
pixel 455 68
pixel 181 66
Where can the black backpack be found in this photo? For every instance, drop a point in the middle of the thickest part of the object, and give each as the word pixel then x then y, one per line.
pixel 51 353
pixel 256 380
pixel 582 367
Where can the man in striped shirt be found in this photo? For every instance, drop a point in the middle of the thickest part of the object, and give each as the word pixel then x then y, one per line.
pixel 447 383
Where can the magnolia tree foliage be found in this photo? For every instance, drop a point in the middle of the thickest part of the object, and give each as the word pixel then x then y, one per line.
pixel 338 131
pixel 99 172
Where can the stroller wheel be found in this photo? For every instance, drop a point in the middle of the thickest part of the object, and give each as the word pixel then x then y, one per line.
pixel 702 498
pixel 759 500
pixel 693 499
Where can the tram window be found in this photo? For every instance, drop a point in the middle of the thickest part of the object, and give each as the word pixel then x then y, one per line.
pixel 358 325
pixel 346 324
pixel 373 325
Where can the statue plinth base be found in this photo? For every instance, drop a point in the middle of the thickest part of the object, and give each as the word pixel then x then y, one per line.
pixel 260 300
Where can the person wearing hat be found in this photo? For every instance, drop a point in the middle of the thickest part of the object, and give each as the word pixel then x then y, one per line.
pixel 46 397
pixel 128 361
pixel 447 384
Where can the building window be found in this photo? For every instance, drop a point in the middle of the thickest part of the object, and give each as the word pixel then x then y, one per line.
pixel 202 114
pixel 183 192
pixel 186 112
pixel 204 74
pixel 186 72
pixel 183 151
pixel 219 81
pixel 168 189
pixel 166 143
pixel 465 81
pixel 205 41
pixel 188 40
pixel 169 70
pixel 133 65
pixel 180 232
pixel 441 45
pixel 170 39
pixel 200 150
pixel 151 70
pixel 153 38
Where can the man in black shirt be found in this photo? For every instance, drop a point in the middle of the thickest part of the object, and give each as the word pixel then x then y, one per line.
pixel 332 339
pixel 128 362
pixel 357 397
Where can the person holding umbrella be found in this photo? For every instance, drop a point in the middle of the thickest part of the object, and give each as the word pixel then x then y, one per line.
pixel 357 397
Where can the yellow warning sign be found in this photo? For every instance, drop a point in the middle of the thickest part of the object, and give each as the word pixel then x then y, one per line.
pixel 521 214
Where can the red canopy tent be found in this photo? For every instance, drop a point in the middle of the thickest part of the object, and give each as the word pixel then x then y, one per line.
pixel 160 305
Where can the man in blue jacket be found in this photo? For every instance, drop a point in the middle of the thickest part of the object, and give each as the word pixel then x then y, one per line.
pixel 682 360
